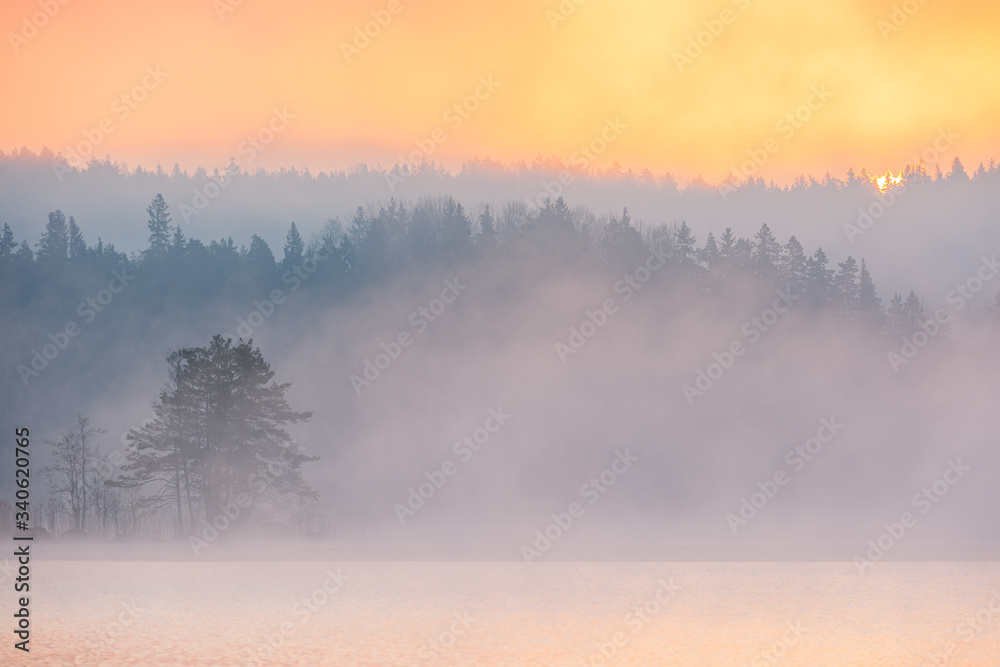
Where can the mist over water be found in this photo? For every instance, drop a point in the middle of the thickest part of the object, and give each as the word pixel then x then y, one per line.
pixel 483 613
pixel 589 440
pixel 470 403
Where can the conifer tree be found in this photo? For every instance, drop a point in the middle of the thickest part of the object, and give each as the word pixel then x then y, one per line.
pixel 54 244
pixel 159 226
pixel 294 248
pixel 77 246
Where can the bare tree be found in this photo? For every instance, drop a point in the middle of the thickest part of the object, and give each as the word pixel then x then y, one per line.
pixel 73 466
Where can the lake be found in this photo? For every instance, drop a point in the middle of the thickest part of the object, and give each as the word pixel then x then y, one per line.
pixel 510 613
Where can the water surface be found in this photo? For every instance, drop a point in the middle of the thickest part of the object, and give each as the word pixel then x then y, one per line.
pixel 510 613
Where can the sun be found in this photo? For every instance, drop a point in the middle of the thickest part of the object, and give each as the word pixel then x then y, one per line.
pixel 887 181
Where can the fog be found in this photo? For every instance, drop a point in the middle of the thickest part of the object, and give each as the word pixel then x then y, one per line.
pixel 938 227
pixel 700 390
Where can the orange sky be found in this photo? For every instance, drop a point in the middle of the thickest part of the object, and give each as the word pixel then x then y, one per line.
pixel 557 86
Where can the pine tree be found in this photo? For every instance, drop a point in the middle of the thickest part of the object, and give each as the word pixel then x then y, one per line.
pixel 767 253
pixel 913 314
pixel 54 244
pixel 555 217
pixel 294 248
pixel 487 226
pixel 743 252
pixel 845 285
pixel 819 280
pixel 218 432
pixel 710 253
pixel 794 266
pixel 232 170
pixel 259 256
pixel 24 255
pixel 868 302
pixel 159 227
pixel 958 171
pixel 456 233
pixel 7 244
pixel 421 237
pixel 77 246
pixel 727 244
pixel 685 243
pixel 554 230
pixel 895 317
pixel 178 243
pixel 623 242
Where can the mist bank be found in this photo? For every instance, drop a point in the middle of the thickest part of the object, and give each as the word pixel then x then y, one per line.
pixel 927 217
pixel 572 383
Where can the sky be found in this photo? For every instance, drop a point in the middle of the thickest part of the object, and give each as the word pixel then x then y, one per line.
pixel 690 88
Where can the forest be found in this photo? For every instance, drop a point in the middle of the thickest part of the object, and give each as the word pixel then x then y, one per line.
pixel 217 436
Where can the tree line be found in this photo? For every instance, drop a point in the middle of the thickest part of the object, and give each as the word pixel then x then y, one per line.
pixel 219 435
pixel 435 232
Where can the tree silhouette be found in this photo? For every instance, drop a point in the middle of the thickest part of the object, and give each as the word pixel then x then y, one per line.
pixel 794 266
pixel 685 243
pixel 218 432
pixel 7 244
pixel 846 288
pixel 294 248
pixel 159 226
pixel 70 475
pixel 487 227
pixel 869 304
pixel 77 246
pixel 54 244
pixel 767 253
